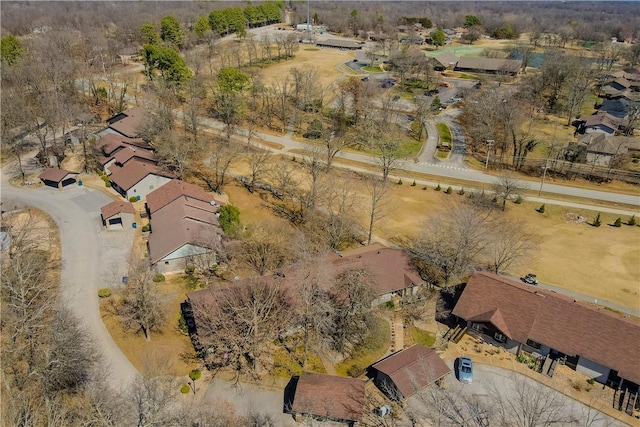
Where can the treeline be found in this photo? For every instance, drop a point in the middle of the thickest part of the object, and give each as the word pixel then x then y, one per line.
pixel 235 19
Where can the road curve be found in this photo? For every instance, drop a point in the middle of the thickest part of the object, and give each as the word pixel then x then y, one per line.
pixel 90 260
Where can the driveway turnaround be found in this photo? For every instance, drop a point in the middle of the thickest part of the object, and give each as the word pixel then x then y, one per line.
pixel 91 259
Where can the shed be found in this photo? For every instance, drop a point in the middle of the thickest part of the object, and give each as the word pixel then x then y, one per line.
pixel 407 371
pixel 329 397
pixel 57 178
pixel 118 215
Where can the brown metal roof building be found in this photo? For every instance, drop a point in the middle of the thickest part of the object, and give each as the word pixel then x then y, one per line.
pixel 592 340
pixel 339 44
pixel 407 371
pixel 329 397
pixel 57 178
pixel 176 188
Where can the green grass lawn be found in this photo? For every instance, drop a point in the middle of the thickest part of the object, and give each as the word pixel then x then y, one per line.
pixel 371 350
pixel 419 336
pixel 371 69
pixel 445 134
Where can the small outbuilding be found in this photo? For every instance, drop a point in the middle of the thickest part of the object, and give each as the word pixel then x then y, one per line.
pixel 329 397
pixel 118 215
pixel 57 178
pixel 407 371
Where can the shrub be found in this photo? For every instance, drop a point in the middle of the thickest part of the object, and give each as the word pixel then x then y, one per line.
pixel 438 188
pixel 195 374
pixel 400 181
pixel 107 184
pixel 540 209
pixel 229 219
pixel 617 222
pixel 146 227
pixel 597 222
pixel 389 305
pixel 632 220
pixel 449 190
pixel 158 278
pixel 424 188
pixel 190 269
pixel 591 381
pixel 518 201
pixel 414 183
pixel 185 389
pixel 133 199
pixel 461 192
pixel 104 293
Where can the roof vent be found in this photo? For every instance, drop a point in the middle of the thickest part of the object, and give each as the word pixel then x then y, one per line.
pixel 212 203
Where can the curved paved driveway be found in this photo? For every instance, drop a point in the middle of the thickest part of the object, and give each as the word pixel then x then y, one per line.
pixel 91 259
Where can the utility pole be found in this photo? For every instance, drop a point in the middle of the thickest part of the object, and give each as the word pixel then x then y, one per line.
pixel 490 143
pixel 544 174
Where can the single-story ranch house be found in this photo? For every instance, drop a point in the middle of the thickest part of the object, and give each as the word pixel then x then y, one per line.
pixel 117 215
pixel 600 344
pixel 129 123
pixel 137 179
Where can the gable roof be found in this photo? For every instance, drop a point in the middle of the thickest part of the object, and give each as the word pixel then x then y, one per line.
pixel 133 172
pixel 116 207
pixel 128 152
pixel 330 396
pixel 413 368
pixel 489 64
pixel 446 59
pixel 603 119
pixel 174 189
pixel 110 142
pixel 602 143
pixel 390 269
pixel 181 222
pixel 55 174
pixel 130 124
pixel 562 323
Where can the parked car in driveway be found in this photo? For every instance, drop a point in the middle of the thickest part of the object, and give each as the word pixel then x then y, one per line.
pixel 530 279
pixel 465 370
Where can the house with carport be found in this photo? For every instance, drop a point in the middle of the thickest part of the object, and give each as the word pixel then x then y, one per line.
pixel 553 328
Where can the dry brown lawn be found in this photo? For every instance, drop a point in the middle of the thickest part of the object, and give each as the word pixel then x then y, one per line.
pixel 169 351
pixel 323 60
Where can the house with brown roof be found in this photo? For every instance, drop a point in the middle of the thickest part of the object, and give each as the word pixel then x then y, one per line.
pixel 117 215
pixel 137 179
pixel 603 148
pixel 128 123
pixel 408 371
pixel 603 122
pixel 390 270
pixel 328 397
pixel 58 178
pixel 117 149
pixel 477 64
pixel 558 329
pixel 175 189
pixel 183 227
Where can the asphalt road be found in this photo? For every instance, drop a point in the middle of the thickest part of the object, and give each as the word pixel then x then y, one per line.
pixel 488 380
pixel 91 259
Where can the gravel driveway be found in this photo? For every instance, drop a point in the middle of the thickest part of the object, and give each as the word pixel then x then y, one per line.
pixel 91 259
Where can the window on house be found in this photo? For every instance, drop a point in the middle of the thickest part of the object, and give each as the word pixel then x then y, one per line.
pixel 476 327
pixel 499 337
pixel 532 343
pixel 166 263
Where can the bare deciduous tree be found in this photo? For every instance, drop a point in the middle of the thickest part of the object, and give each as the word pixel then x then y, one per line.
pixel 377 202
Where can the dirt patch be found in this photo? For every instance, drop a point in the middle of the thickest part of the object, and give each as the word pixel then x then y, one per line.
pixel 169 351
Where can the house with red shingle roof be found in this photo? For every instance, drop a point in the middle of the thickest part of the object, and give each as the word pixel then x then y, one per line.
pixel 390 270
pixel 558 329
pixel 408 371
pixel 128 123
pixel 137 178
pixel 184 226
